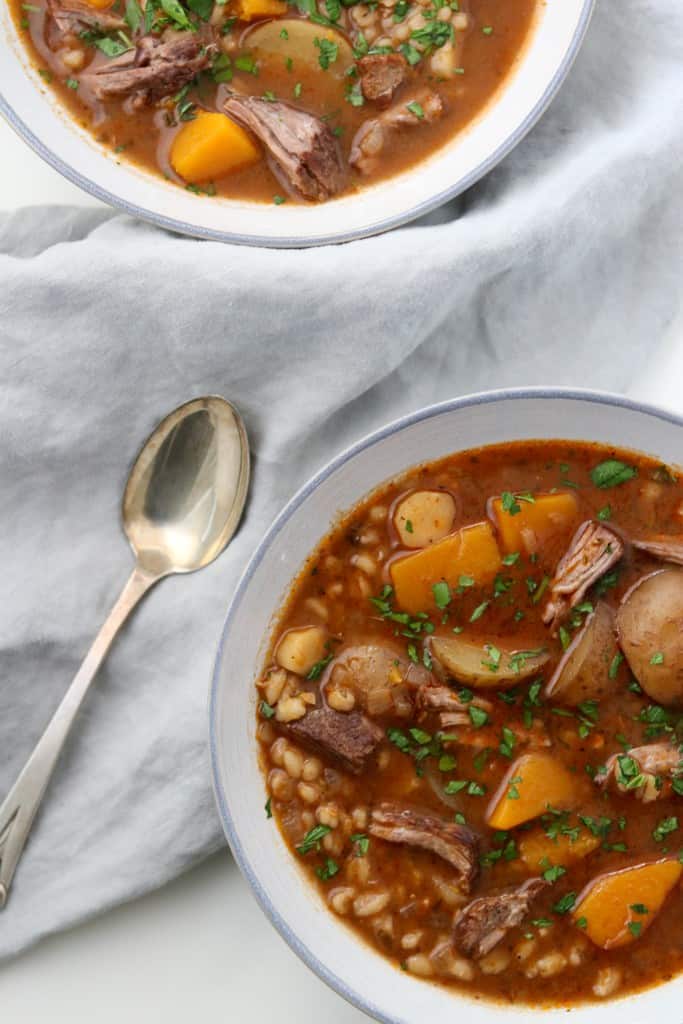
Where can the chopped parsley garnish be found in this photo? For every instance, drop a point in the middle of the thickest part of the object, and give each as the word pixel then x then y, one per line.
pixel 657 658
pixel 416 109
pixel 320 666
pixel 361 842
pixel 565 903
pixel 614 665
pixel 479 611
pixel 635 928
pixel 266 710
pixel 605 513
pixel 329 52
pixel 478 717
pixel 442 595
pixel 312 839
pixel 611 473
pixel 267 808
pixel 665 827
pixel 328 870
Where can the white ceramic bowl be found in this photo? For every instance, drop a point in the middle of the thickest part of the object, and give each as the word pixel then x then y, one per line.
pixel 348 965
pixel 30 107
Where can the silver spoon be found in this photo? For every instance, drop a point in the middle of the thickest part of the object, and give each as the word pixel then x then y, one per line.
pixel 182 503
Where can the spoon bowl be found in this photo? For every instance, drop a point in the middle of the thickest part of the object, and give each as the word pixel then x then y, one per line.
pixel 187 488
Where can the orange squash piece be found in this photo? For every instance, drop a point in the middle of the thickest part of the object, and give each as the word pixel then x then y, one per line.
pixel 537 522
pixel 616 908
pixel 533 783
pixel 210 146
pixel 536 848
pixel 248 10
pixel 100 5
pixel 471 551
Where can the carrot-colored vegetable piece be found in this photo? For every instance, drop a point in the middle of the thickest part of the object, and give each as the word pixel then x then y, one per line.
pixel 545 518
pixel 471 551
pixel 247 10
pixel 617 907
pixel 210 146
pixel 532 784
pixel 101 5
pixel 536 848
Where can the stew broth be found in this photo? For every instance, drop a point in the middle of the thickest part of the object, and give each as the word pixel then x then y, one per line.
pixel 433 785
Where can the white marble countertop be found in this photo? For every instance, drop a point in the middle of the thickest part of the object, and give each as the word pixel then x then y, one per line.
pixel 199 949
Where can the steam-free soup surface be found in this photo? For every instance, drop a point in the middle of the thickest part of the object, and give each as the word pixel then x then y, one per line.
pixel 470 722
pixel 265 100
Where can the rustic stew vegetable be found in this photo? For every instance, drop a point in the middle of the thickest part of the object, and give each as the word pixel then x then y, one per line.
pixel 471 721
pixel 271 100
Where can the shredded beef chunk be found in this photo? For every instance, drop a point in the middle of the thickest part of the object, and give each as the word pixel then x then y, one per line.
pixel 302 147
pixel 593 551
pixel 646 771
pixel 668 549
pixel 485 921
pixel 451 709
pixel 348 738
pixel 456 844
pixel 72 16
pixel 373 136
pixel 152 70
pixel 381 75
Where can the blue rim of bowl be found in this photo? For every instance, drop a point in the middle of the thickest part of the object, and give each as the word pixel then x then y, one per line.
pixel 336 983
pixel 209 234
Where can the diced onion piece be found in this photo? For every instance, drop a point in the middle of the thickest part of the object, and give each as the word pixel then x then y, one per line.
pixel 609 905
pixel 584 671
pixel 424 517
pixel 484 666
pixel 532 784
pixel 300 649
pixel 650 629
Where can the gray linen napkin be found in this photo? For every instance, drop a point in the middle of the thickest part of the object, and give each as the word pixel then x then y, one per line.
pixel 563 266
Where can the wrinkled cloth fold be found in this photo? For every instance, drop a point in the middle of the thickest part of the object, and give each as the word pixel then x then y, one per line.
pixel 563 266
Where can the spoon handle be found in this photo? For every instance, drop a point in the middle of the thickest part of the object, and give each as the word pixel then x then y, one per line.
pixel 22 802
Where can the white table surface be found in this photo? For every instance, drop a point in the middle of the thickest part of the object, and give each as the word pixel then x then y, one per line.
pixel 198 950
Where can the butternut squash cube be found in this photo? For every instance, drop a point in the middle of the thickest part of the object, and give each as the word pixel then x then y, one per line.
pixel 471 551
pixel 531 785
pixel 100 5
pixel 249 10
pixel 617 907
pixel 536 848
pixel 537 522
pixel 211 146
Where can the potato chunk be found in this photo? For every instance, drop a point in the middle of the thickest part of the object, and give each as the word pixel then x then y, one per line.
pixel 619 906
pixel 471 551
pixel 424 518
pixel 211 146
pixel 300 649
pixel 650 628
pixel 472 662
pixel 549 516
pixel 533 783
pixel 536 847
pixel 584 671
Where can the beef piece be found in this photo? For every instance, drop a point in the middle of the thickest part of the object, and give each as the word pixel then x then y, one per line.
pixel 452 710
pixel 650 779
pixel 668 549
pixel 72 16
pixel 485 921
pixel 381 74
pixel 373 136
pixel 349 739
pixel 301 146
pixel 154 69
pixel 456 844
pixel 593 550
